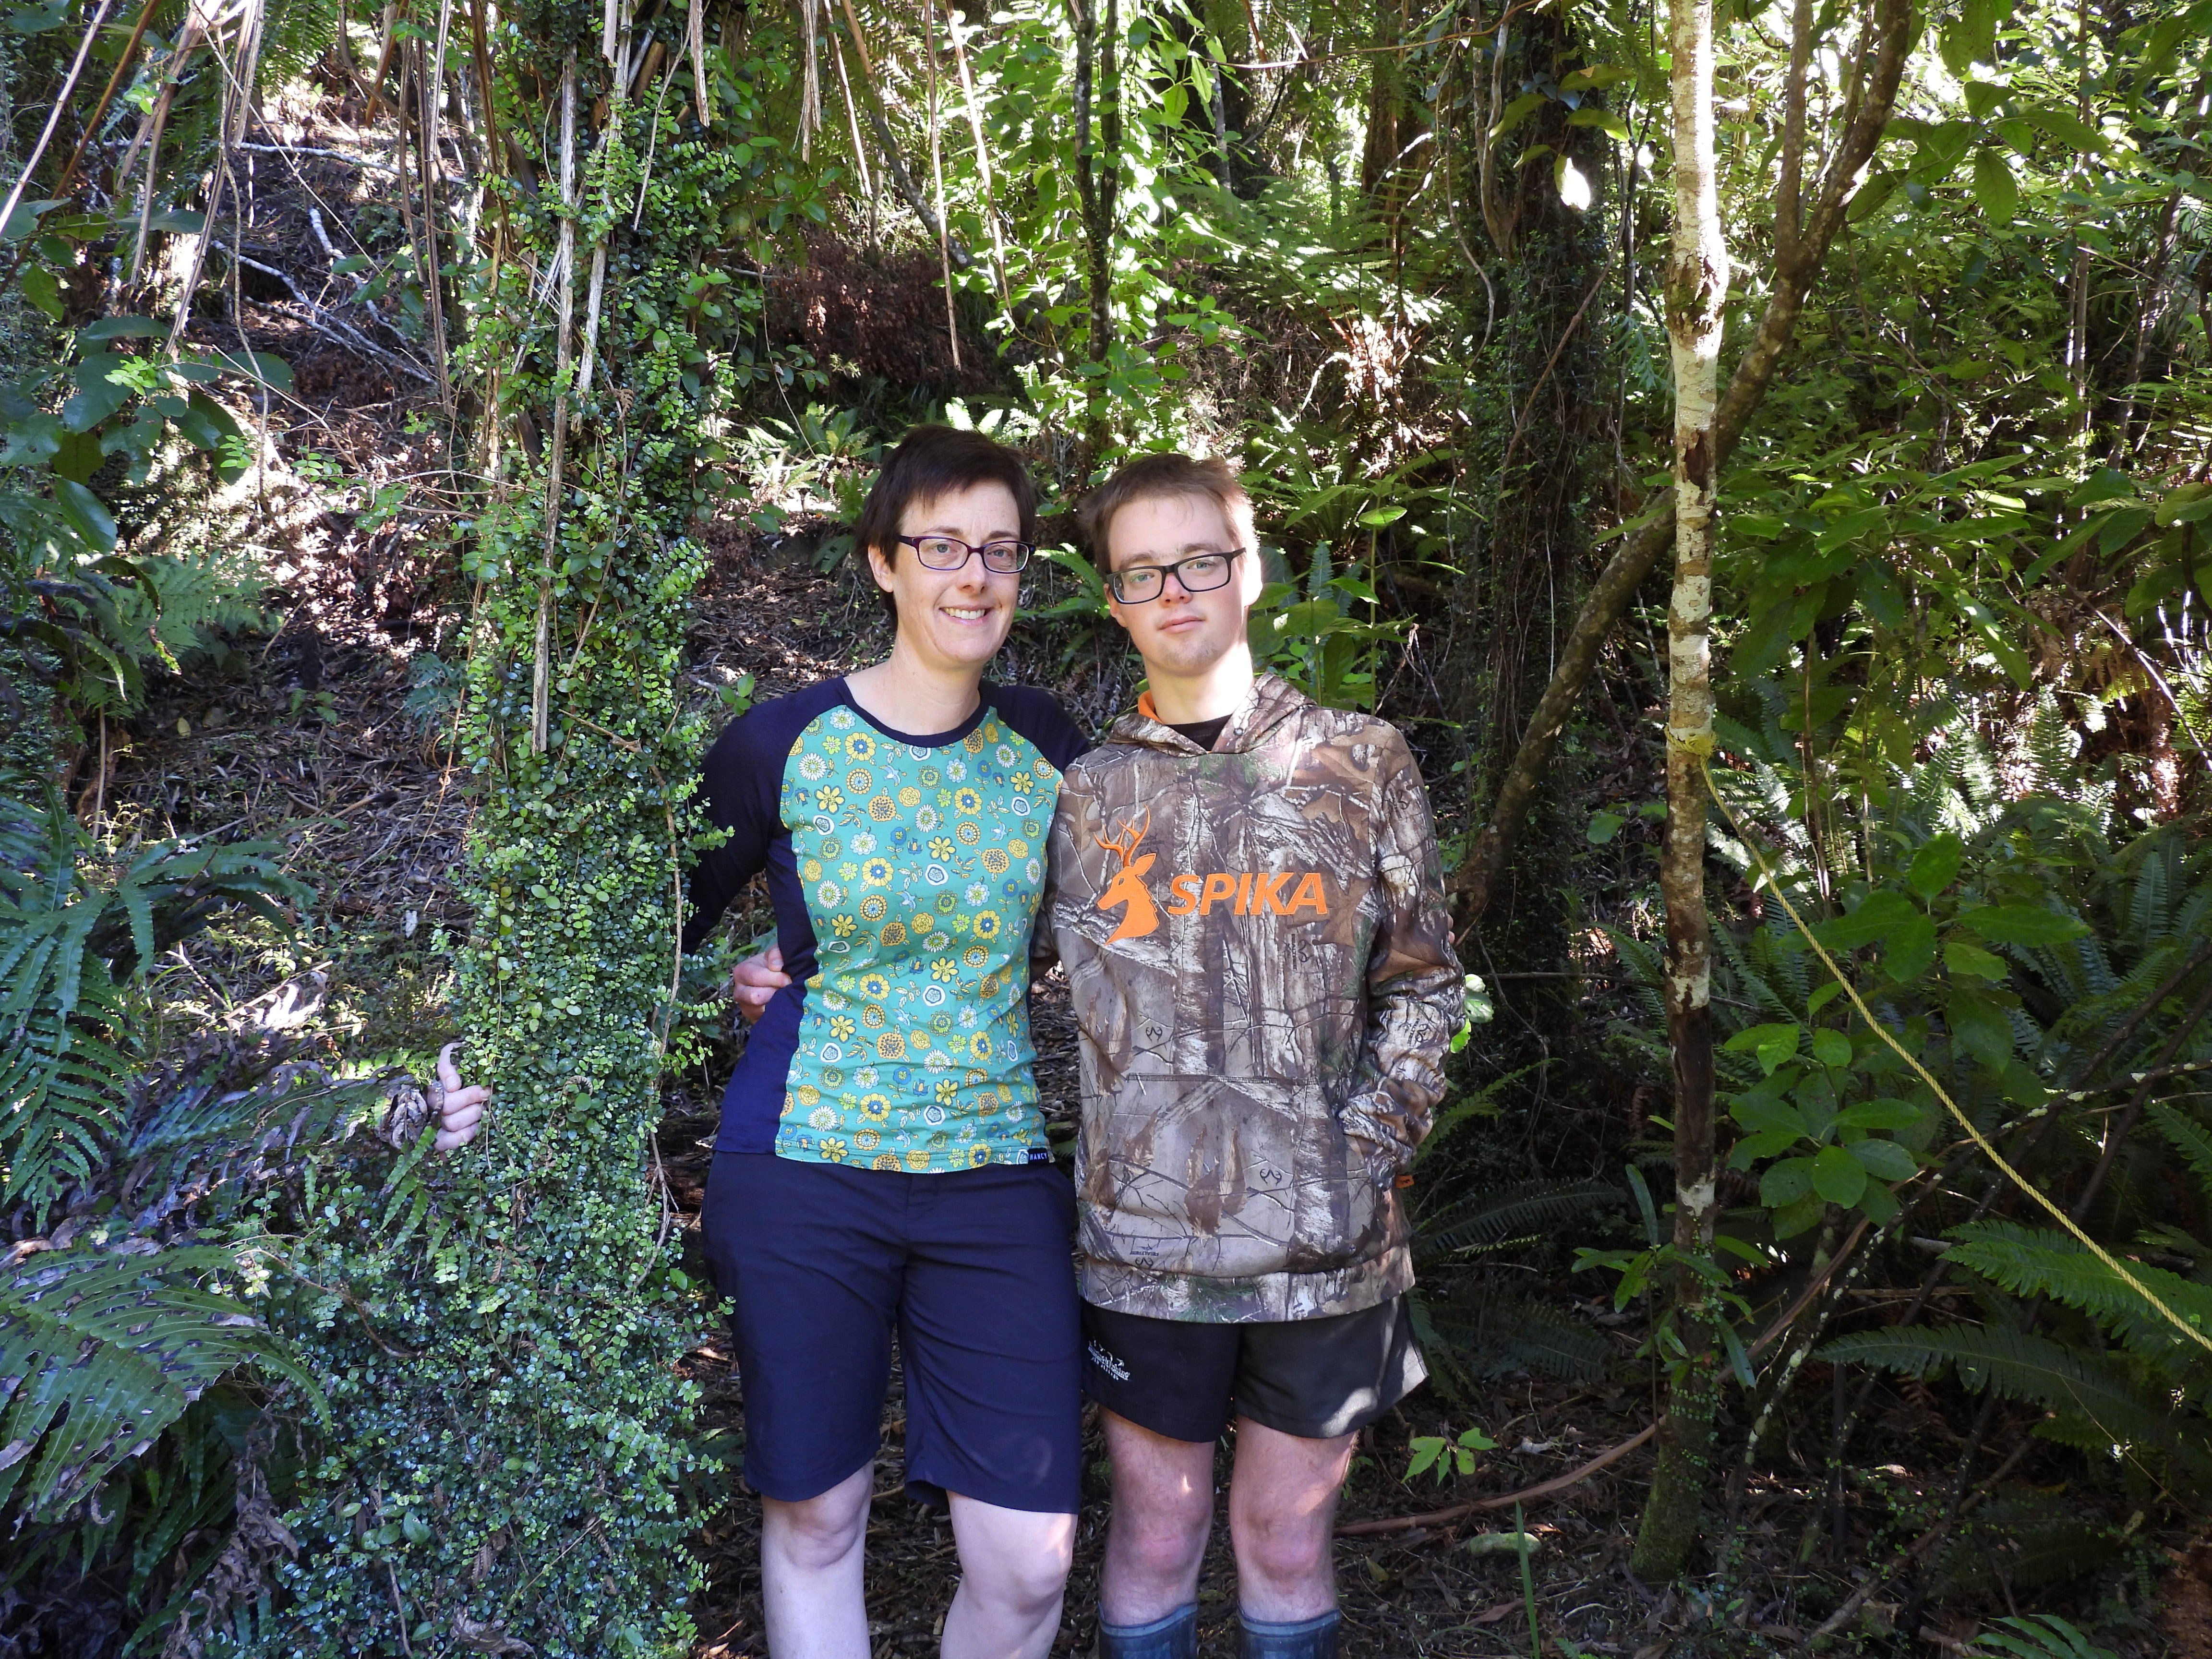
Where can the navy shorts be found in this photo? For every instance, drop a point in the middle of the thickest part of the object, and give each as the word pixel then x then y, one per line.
pixel 822 1262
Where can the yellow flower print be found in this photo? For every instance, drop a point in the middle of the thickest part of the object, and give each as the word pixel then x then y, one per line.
pixel 876 872
pixel 810 871
pixel 1018 848
pixel 918 1040
pixel 987 924
pixel 873 906
pixel 909 798
pixel 873 1018
pixel 994 860
pixel 842 925
pixel 874 986
pixel 940 846
pixel 833 1150
pixel 808 1096
pixel 859 780
pixel 974 955
pixel 944 970
pixel 875 1108
pixel 860 746
pixel 890 1046
pixel 968 832
pixel 881 809
pixel 967 800
pixel 841 1028
pixel 946 1088
pixel 885 1161
pixel 973 743
pixel 894 934
pixel 917 1159
pixel 979 1156
pixel 866 1140
pixel 980 1045
pixel 829 798
pixel 789 1104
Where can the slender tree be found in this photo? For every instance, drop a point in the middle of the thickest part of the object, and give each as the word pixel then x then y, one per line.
pixel 1697 291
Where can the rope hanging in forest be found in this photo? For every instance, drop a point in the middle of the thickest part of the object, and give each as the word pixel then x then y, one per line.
pixel 1929 1078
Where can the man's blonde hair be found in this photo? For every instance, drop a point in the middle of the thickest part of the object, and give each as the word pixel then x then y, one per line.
pixel 1152 477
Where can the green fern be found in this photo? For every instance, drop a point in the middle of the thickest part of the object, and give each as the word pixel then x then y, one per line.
pixel 2036 1636
pixel 100 1352
pixel 1491 1220
pixel 2043 1262
pixel 2094 1402
pixel 1484 1334
pixel 2189 1139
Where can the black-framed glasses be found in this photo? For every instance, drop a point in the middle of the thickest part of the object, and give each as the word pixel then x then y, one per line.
pixel 950 553
pixel 1201 572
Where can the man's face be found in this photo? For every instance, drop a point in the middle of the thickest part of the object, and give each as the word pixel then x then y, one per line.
pixel 1180 634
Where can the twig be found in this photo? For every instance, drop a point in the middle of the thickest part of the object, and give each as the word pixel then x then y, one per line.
pixel 1541 1489
pixel 106 96
pixel 54 115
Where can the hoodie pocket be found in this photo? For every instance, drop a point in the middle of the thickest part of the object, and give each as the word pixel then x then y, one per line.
pixel 1230 1178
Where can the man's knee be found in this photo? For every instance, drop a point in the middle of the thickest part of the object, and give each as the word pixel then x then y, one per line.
pixel 1280 1548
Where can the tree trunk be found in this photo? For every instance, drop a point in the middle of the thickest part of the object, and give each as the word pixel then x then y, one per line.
pixel 1650 528
pixel 1697 286
pixel 1097 178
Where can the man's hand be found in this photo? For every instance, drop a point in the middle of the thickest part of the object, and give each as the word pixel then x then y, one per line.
pixel 755 981
pixel 460 1110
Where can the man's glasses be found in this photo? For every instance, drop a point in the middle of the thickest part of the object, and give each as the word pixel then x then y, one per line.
pixel 950 553
pixel 1200 574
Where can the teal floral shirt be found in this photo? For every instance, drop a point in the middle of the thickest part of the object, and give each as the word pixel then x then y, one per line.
pixel 919 866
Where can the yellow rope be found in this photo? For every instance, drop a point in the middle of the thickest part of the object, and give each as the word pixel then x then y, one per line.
pixel 1979 1140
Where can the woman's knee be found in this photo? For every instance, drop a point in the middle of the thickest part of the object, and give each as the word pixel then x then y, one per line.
pixel 815 1533
pixel 1024 1568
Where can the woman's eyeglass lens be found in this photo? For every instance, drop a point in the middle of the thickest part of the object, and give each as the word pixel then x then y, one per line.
pixel 947 553
pixel 1201 573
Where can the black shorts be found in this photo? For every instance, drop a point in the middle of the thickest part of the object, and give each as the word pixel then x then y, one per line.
pixel 1315 1378
pixel 823 1263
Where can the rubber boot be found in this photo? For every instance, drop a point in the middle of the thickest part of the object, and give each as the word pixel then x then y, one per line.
pixel 1174 1637
pixel 1303 1638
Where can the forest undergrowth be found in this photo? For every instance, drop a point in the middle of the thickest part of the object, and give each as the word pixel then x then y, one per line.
pixel 277 760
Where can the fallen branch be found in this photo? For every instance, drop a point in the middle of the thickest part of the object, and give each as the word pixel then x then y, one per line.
pixel 1526 1495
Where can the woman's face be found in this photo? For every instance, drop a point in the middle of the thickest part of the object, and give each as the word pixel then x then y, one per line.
pixel 953 620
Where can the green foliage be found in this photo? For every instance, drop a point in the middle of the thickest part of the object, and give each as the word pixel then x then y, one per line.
pixel 1444 1455
pixel 74 938
pixel 2036 1636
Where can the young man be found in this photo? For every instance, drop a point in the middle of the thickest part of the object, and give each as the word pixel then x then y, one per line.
pixel 1247 896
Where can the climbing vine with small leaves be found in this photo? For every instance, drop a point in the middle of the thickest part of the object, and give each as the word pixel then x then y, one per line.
pixel 497 1332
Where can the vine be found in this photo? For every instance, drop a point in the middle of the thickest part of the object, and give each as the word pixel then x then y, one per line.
pixel 498 1336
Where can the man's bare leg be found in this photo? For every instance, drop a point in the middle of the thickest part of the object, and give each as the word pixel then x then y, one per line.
pixel 1156 1536
pixel 1282 1519
pixel 811 1560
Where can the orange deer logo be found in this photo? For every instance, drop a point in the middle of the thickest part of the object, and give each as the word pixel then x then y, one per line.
pixel 1127 887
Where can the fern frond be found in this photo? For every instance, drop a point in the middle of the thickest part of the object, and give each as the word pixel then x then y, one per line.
pixel 100 1352
pixel 2041 1262
pixel 2019 1366
pixel 1486 1220
pixel 1490 1335
pixel 2189 1139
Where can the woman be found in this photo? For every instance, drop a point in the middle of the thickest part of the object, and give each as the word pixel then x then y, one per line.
pixel 882 1163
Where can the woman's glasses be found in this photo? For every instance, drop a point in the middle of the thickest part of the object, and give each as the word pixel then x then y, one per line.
pixel 1200 574
pixel 949 553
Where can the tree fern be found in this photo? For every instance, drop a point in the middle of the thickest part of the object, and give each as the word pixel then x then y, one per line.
pixel 2189 1139
pixel 1477 1334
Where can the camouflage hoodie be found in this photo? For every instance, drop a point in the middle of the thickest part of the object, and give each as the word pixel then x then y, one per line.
pixel 1261 966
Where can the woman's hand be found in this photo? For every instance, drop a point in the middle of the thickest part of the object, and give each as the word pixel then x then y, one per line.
pixel 460 1110
pixel 755 981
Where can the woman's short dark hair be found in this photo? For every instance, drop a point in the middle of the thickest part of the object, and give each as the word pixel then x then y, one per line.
pixel 932 461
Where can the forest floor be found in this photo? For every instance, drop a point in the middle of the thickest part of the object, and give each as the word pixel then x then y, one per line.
pixel 307 737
